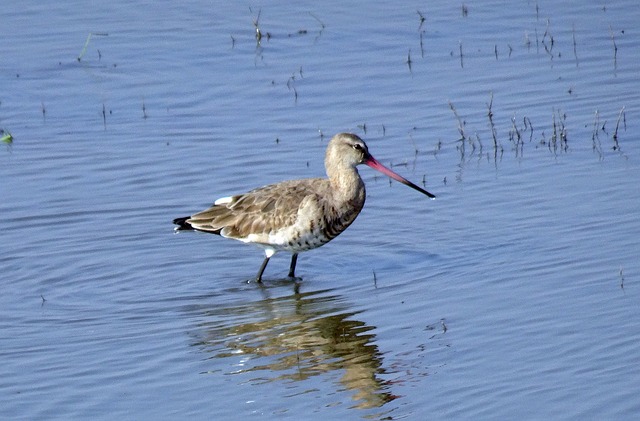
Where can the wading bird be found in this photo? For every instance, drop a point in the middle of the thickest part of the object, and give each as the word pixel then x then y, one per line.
pixel 296 215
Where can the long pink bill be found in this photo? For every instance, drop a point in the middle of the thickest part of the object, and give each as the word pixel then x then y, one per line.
pixel 373 163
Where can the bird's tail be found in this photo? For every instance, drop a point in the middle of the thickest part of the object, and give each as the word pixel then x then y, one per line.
pixel 182 224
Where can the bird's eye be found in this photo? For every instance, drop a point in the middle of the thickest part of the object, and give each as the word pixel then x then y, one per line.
pixel 358 147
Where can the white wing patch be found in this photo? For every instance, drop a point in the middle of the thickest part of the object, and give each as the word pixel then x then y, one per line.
pixel 223 201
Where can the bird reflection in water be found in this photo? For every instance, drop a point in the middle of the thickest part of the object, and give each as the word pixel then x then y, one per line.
pixel 297 337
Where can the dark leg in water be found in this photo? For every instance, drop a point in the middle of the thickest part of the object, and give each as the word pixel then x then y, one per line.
pixel 292 268
pixel 262 268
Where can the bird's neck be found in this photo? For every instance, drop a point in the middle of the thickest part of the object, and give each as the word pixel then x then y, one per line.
pixel 347 186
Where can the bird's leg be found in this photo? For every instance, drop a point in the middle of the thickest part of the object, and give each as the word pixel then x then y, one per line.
pixel 262 268
pixel 292 268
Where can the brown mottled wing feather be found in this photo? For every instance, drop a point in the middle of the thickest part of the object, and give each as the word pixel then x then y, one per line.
pixel 257 212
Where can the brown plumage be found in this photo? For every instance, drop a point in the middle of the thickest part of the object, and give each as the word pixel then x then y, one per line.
pixel 296 215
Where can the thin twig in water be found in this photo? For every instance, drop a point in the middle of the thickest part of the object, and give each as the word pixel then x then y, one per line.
pixel 86 43
pixel 621 116
pixel 527 123
pixel 256 24
pixel 415 147
pixel 319 21
pixel 548 48
pixel 563 134
pixel 491 124
pixel 422 19
pixel 554 137
pixel 575 53
pixel 595 136
pixel 460 122
pixel 559 136
pixel 291 85
pixel 615 49
pixel 322 25
pixel 516 137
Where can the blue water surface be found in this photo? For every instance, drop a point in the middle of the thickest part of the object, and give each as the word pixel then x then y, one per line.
pixel 514 294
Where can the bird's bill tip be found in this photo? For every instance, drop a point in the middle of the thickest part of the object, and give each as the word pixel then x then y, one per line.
pixel 376 165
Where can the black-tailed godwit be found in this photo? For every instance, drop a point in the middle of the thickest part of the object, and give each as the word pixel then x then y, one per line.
pixel 296 215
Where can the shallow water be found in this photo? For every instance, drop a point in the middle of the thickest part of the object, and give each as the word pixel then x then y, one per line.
pixel 513 294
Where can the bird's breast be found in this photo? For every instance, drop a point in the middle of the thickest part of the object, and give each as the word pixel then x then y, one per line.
pixel 317 224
